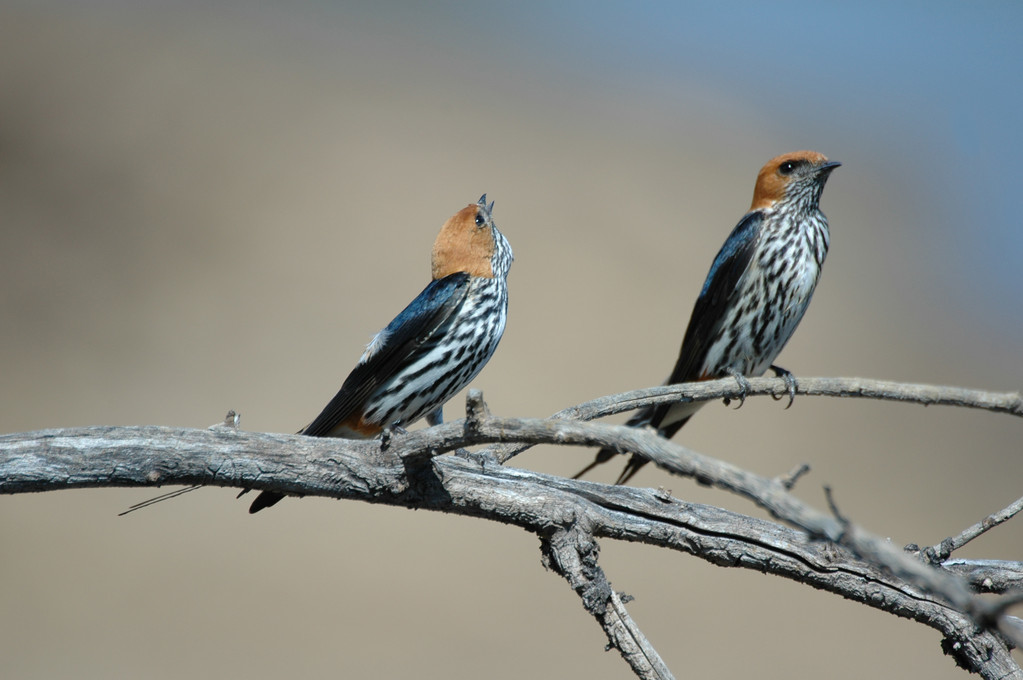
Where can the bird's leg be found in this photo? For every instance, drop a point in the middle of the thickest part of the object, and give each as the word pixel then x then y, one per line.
pixel 386 433
pixel 744 387
pixel 790 383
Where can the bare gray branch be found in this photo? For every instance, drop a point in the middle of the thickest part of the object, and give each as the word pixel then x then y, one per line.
pixel 726 388
pixel 569 516
pixel 941 552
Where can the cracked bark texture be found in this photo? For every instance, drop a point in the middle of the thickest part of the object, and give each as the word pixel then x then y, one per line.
pixel 822 550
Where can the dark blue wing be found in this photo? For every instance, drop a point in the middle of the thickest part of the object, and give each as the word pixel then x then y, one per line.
pixel 719 293
pixel 716 296
pixel 401 339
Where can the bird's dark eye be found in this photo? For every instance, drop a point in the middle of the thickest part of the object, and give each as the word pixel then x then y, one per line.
pixel 787 167
pixel 480 220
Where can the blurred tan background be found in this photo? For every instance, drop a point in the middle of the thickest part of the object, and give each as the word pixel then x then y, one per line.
pixel 210 209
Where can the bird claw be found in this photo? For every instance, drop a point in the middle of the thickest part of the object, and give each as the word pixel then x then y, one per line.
pixel 388 432
pixel 790 383
pixel 744 388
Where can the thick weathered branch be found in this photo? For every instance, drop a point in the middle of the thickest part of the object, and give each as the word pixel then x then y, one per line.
pixel 988 576
pixel 566 514
pixel 572 552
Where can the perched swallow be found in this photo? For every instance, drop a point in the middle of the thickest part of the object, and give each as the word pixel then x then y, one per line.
pixel 755 294
pixel 435 346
